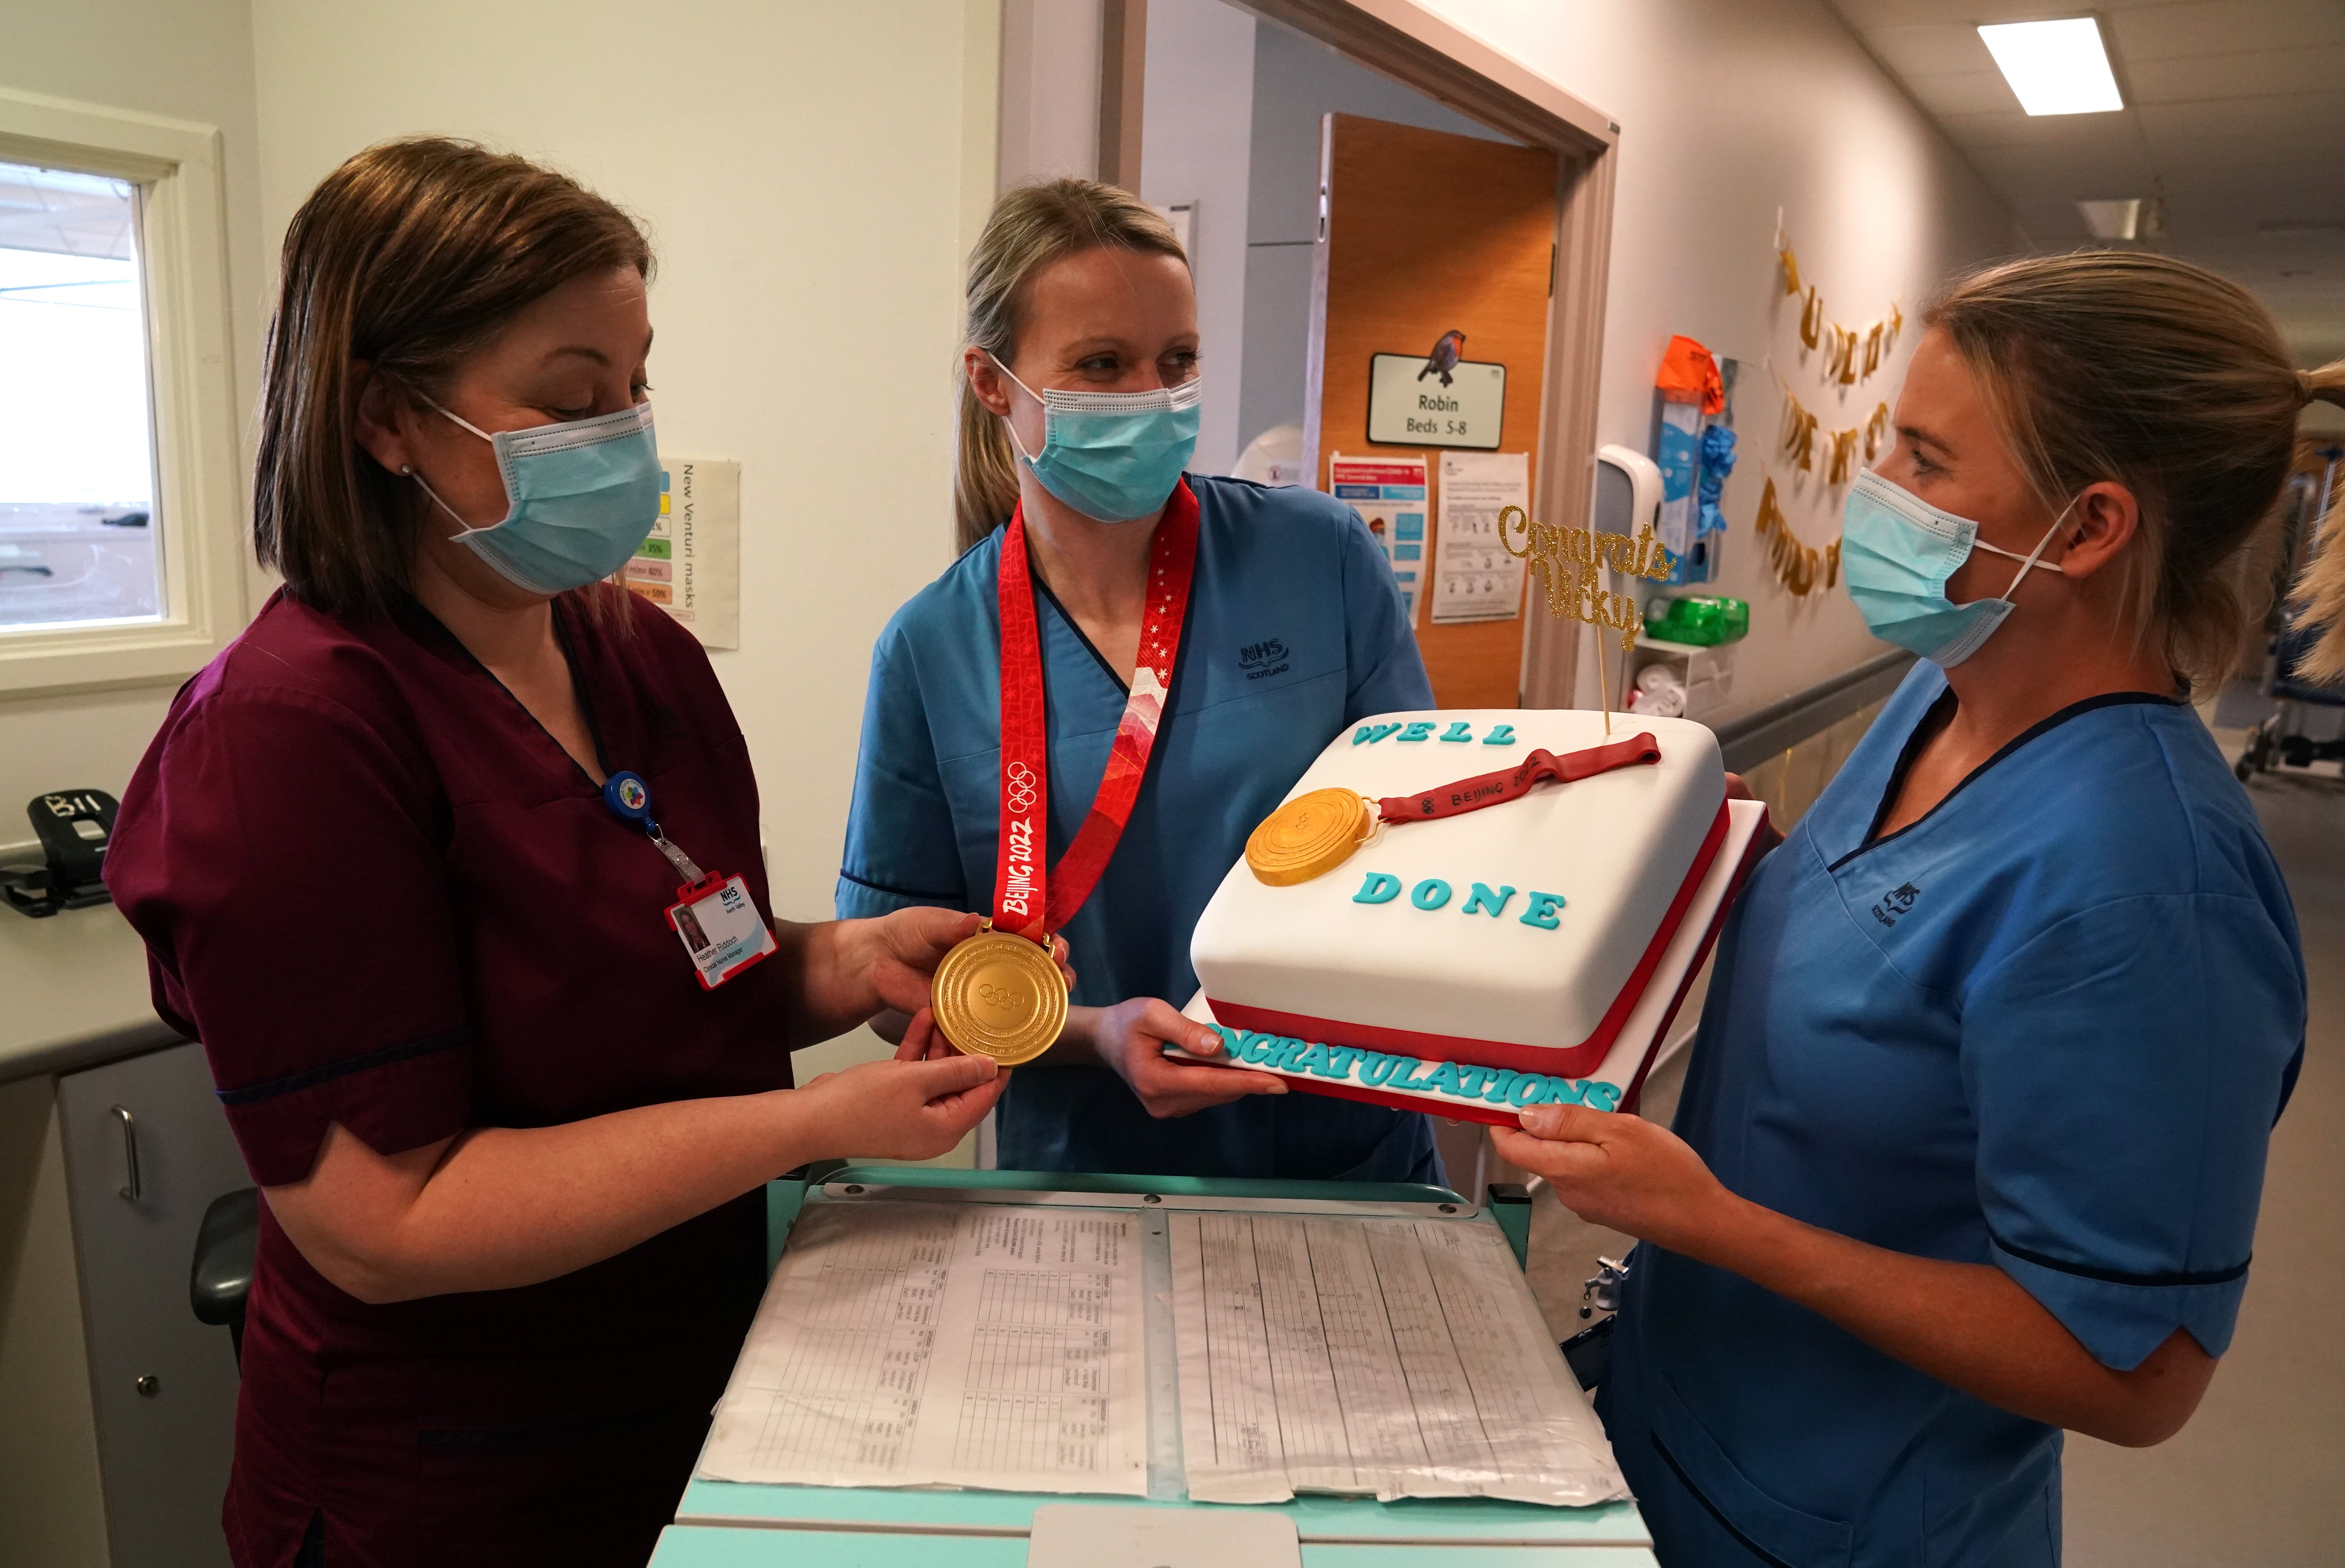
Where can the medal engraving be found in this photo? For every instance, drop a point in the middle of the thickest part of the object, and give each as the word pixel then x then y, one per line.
pixel 1308 837
pixel 1000 996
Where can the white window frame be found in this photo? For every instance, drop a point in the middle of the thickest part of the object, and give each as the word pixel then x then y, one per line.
pixel 199 509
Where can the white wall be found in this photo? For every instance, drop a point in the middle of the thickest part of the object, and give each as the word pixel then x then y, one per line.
pixel 801 170
pixel 189 59
pixel 1050 91
pixel 1728 110
pixel 1196 145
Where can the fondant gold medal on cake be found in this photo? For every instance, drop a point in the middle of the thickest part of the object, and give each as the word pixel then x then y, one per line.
pixel 1308 837
pixel 1002 996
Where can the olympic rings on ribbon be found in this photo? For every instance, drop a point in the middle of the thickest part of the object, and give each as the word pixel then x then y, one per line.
pixel 1019 787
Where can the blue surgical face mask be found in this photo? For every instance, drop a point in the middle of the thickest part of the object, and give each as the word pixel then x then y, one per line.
pixel 1897 551
pixel 579 497
pixel 1113 456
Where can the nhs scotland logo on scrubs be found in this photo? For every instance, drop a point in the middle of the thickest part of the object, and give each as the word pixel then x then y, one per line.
pixel 1896 904
pixel 1263 659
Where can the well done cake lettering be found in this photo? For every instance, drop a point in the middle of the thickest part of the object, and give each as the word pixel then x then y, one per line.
pixel 1494 934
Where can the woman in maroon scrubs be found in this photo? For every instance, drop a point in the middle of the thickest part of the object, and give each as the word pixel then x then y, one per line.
pixel 509 1140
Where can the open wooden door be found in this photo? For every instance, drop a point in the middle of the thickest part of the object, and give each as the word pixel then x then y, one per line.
pixel 1423 234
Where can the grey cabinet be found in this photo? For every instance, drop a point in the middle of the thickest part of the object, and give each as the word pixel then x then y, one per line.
pixel 146 1149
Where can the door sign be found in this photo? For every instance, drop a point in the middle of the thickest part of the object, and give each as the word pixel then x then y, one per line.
pixel 1408 408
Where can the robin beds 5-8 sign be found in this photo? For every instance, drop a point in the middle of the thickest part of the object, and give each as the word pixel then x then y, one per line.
pixel 1411 404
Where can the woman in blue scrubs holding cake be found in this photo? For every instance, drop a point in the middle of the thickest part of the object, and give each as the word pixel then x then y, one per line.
pixel 1973 1139
pixel 1183 647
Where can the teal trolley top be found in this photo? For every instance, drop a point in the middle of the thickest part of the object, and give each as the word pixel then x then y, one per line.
pixel 732 1525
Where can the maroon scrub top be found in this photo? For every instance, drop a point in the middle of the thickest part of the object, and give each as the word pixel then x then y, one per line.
pixel 381 894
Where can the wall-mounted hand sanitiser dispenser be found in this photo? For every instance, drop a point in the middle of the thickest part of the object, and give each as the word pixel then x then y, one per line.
pixel 1628 492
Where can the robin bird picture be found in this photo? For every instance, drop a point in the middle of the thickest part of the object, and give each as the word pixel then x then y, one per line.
pixel 1444 358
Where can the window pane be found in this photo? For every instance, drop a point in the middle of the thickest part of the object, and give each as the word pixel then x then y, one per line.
pixel 77 534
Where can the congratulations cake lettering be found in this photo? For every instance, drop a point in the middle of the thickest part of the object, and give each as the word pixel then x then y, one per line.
pixel 1438 1081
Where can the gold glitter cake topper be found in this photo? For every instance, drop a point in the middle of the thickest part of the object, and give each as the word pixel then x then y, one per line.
pixel 1568 562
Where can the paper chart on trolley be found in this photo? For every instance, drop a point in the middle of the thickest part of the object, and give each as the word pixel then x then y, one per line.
pixel 1392 1358
pixel 930 1344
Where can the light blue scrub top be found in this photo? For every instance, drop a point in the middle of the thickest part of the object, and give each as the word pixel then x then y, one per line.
pixel 1294 631
pixel 2047 1026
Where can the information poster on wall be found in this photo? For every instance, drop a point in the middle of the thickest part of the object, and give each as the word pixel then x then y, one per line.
pixel 1390 495
pixel 1476 577
pixel 691 564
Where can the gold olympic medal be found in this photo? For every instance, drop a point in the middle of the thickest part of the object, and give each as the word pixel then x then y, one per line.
pixel 1000 996
pixel 1308 837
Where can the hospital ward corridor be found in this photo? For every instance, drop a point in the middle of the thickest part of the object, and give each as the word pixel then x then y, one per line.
pixel 1172 784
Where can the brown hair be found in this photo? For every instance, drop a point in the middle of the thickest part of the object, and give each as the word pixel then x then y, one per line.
pixel 2321 589
pixel 1031 227
pixel 2166 378
pixel 408 258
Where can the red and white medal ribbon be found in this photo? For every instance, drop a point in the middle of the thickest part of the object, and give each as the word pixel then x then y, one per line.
pixel 1030 897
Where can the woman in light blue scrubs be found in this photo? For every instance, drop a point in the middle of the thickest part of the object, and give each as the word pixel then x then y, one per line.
pixel 1294 629
pixel 1973 1137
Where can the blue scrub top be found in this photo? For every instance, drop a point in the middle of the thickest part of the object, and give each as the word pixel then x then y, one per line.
pixel 2047 1026
pixel 1294 631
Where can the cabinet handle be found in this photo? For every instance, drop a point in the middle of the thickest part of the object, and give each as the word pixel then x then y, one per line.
pixel 131 1189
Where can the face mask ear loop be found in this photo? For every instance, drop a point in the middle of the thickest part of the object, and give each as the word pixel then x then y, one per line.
pixel 463 421
pixel 443 506
pixel 2042 545
pixel 1008 424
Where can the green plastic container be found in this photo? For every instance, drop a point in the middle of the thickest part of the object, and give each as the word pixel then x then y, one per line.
pixel 1702 621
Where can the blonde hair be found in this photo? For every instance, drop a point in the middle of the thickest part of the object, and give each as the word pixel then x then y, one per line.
pixel 2168 380
pixel 1031 227
pixel 2320 588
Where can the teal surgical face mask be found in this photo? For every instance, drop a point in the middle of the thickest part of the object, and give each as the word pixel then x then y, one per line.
pixel 1113 456
pixel 1897 551
pixel 579 497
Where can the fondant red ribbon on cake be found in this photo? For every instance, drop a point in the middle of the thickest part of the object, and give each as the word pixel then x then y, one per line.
pixel 1510 784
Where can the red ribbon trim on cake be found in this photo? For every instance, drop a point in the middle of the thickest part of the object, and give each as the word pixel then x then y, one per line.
pixel 1752 853
pixel 1567 1061
pixel 1510 784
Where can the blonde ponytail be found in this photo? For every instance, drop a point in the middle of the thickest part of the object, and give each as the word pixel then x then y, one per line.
pixel 2167 379
pixel 1031 227
pixel 2320 588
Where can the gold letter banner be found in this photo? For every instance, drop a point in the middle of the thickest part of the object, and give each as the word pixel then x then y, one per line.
pixel 1802 568
pixel 1851 354
pixel 1805 439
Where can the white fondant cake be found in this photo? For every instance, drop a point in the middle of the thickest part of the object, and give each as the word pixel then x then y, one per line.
pixel 1520 936
pixel 1472 1093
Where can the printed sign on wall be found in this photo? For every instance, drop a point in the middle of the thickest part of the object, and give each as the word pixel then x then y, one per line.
pixel 1411 404
pixel 691 564
pixel 1390 495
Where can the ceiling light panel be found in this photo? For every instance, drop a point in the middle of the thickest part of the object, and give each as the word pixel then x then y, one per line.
pixel 2055 68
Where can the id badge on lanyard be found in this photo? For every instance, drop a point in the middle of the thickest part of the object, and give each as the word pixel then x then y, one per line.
pixel 714 915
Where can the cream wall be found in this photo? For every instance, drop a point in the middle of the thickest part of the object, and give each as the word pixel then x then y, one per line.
pixel 1729 110
pixel 190 60
pixel 1196 145
pixel 806 171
